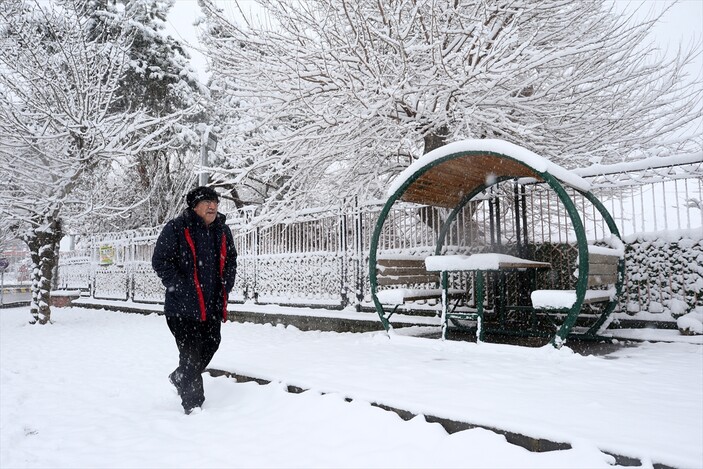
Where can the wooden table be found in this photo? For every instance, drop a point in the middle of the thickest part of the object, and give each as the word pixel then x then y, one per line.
pixel 477 264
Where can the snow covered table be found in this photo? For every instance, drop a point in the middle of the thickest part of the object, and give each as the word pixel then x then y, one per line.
pixel 478 264
pixel 481 262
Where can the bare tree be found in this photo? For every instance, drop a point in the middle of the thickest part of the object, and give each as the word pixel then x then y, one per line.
pixel 60 139
pixel 5 234
pixel 329 99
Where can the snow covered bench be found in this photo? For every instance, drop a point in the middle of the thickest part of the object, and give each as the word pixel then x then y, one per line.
pixel 602 270
pixel 405 273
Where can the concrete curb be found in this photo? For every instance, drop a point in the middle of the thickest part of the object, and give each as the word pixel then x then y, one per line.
pixel 532 444
pixel 16 290
pixel 16 304
pixel 305 319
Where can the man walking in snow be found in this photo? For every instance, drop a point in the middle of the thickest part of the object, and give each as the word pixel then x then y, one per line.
pixel 196 260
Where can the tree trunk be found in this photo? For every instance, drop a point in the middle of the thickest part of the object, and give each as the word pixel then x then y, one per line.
pixel 430 216
pixel 435 139
pixel 43 243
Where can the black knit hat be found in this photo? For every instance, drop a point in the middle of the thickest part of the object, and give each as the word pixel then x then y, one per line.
pixel 201 193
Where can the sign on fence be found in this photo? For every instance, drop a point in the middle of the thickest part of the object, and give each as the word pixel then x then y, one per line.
pixel 107 255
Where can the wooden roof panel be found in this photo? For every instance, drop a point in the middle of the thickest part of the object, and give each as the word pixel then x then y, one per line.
pixel 446 183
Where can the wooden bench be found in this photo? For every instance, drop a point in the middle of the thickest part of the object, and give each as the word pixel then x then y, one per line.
pixel 406 274
pixel 602 271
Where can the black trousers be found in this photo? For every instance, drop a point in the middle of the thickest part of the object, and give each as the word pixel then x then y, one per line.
pixel 197 342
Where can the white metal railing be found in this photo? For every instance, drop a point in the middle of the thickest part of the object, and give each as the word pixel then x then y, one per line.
pixel 321 256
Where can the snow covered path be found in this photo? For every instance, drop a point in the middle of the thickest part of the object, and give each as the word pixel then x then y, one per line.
pixel 91 391
pixel 644 401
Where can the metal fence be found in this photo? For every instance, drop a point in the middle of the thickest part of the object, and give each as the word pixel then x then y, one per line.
pixel 320 257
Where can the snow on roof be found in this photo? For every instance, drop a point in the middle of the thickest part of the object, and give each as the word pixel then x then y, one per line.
pixel 501 147
pixel 638 165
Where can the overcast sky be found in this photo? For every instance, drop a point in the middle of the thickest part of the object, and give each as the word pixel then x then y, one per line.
pixel 682 24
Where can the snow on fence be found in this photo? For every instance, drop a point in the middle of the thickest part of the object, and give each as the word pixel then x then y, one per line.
pixel 320 257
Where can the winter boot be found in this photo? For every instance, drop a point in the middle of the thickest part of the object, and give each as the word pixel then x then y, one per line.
pixel 175 379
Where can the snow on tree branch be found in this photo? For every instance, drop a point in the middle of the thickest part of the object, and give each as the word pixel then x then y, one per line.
pixel 63 133
pixel 331 98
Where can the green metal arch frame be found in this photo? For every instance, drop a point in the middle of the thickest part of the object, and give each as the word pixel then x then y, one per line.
pixel 582 281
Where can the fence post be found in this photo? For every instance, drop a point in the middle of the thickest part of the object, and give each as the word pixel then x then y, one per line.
pixel 255 266
pixel 358 255
pixel 93 266
pixel 342 248
pixel 130 270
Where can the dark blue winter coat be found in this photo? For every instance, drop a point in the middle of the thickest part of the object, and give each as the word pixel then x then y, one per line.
pixel 197 265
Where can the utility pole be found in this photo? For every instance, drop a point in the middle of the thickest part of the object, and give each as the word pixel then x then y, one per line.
pixel 4 264
pixel 209 143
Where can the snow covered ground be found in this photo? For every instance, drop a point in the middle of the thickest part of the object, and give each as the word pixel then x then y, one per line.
pixel 90 390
